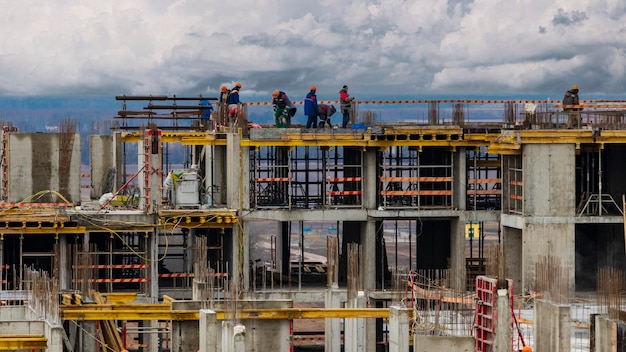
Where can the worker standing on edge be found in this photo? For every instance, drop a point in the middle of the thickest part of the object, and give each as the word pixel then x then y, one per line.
pixel 311 108
pixel 571 105
pixel 234 104
pixel 345 101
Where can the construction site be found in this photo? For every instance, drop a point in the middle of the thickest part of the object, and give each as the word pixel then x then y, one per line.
pixel 188 233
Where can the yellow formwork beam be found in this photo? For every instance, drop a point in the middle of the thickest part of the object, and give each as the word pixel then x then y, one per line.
pixel 164 312
pixel 34 230
pixel 15 342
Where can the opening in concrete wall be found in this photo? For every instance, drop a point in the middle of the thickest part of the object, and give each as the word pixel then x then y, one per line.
pixel 597 245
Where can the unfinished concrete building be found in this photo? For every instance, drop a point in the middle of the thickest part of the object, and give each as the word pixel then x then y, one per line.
pixel 163 250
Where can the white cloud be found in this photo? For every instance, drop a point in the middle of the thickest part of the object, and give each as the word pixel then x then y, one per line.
pixel 421 46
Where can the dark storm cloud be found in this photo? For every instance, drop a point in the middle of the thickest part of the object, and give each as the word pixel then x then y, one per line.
pixel 571 18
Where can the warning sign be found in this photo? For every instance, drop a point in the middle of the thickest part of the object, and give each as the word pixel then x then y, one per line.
pixel 472 229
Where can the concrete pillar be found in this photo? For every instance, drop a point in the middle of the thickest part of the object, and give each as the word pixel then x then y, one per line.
pixel 355 339
pixel 332 330
pixel 552 327
pixel 503 330
pixel 398 329
pixel 215 174
pixel 459 171
pixel 283 247
pixel 234 337
pixel 239 338
pixel 65 280
pixel 234 173
pixel 604 334
pixel 368 250
pixel 54 334
pixel 458 279
pixel 102 162
pixel 86 339
pixel 185 336
pixel 512 249
pixel 209 332
pixel 370 179
pixel 153 271
pixel 549 205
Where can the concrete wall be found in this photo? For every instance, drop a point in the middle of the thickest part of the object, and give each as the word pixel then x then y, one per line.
pixel 37 163
pixel 443 343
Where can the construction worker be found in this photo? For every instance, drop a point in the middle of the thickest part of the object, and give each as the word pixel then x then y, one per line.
pixel 284 109
pixel 345 105
pixel 223 106
pixel 234 104
pixel 207 109
pixel 571 106
pixel 311 108
pixel 326 111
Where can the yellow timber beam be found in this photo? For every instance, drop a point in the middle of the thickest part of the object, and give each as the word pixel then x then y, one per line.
pixel 139 312
pixel 23 342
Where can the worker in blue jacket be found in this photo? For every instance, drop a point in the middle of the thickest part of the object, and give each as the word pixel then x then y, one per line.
pixel 311 109
pixel 234 104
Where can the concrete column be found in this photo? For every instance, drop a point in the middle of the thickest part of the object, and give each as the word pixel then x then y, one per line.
pixel 552 327
pixel 209 332
pixel 512 250
pixel 503 330
pixel 332 330
pixel 355 339
pixel 239 338
pixel 86 339
pixel 458 281
pixel 398 329
pixel 102 162
pixel 370 179
pixel 604 334
pixel 367 271
pixel 549 206
pixel 65 280
pixel 55 339
pixel 234 174
pixel 215 174
pixel 153 271
pixel 368 250
pixel 185 336
pixel 459 171
pixel 282 247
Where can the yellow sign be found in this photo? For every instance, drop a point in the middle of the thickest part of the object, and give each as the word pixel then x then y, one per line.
pixel 472 229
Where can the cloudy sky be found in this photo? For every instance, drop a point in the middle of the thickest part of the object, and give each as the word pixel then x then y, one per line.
pixel 77 47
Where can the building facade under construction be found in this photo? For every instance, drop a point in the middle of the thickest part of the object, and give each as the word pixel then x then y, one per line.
pixel 301 238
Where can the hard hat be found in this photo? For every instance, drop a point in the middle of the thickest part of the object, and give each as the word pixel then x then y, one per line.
pixel 575 86
pixel 313 88
pixel 345 87
pixel 223 88
pixel 275 94
pixel 238 85
pixel 527 349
